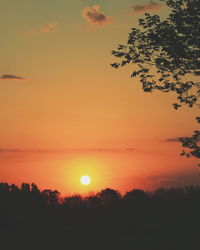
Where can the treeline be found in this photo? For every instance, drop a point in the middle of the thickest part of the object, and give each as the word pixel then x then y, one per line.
pixel 158 220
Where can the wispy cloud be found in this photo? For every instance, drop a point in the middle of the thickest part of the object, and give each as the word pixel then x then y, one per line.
pixel 176 139
pixel 11 77
pixel 161 180
pixel 50 27
pixel 98 150
pixel 171 181
pixel 5 150
pixel 96 17
pixel 149 6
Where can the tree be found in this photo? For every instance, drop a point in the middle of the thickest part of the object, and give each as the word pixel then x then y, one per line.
pixel 73 201
pixel 136 198
pixel 166 57
pixel 34 188
pixel 108 196
pixel 25 187
pixel 51 197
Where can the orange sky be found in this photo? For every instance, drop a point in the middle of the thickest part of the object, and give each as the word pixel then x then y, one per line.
pixel 61 102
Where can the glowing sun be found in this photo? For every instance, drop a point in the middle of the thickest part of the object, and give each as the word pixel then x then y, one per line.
pixel 85 180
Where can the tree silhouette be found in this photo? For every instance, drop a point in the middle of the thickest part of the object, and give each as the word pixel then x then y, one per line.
pixel 136 196
pixel 166 57
pixel 162 219
pixel 109 195
pixel 51 197
pixel 34 188
pixel 25 187
pixel 73 201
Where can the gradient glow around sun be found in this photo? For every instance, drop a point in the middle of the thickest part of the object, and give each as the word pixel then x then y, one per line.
pixel 85 180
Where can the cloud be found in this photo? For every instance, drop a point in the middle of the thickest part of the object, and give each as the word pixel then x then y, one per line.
pixel 98 150
pixel 50 27
pixel 176 139
pixel 181 179
pixel 95 16
pixel 11 77
pixel 162 180
pixel 149 6
pixel 106 149
pixel 5 150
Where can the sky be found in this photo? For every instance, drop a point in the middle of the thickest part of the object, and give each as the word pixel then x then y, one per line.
pixel 66 112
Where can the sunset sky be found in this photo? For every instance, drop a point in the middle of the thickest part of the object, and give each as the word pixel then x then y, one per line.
pixel 65 112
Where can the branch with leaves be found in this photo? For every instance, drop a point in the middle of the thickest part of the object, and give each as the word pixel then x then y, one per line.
pixel 166 56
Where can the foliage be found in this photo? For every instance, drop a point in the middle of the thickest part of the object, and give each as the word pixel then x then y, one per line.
pixel 192 143
pixel 105 220
pixel 166 56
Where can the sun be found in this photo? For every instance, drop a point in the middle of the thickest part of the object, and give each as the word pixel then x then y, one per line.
pixel 85 180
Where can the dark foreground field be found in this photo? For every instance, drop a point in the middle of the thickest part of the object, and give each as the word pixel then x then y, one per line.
pixel 161 220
